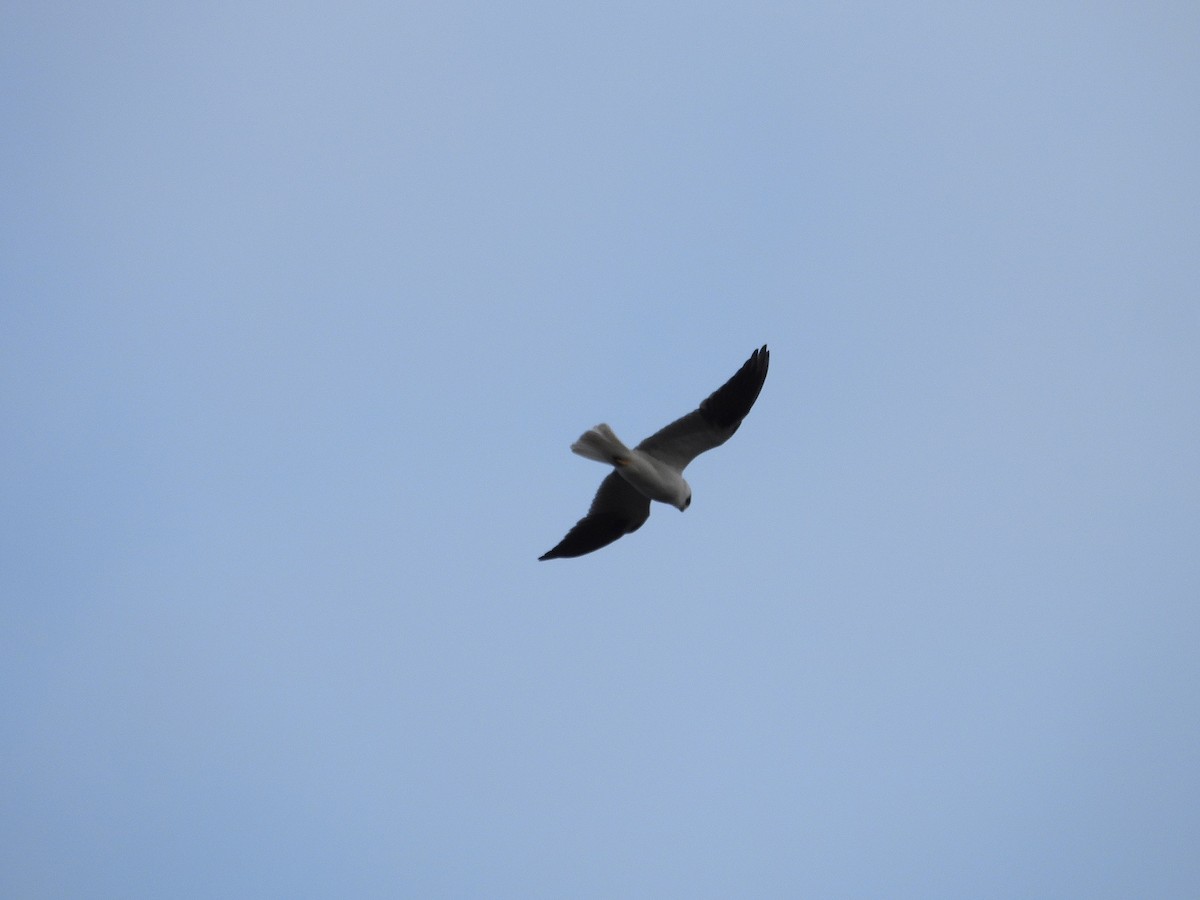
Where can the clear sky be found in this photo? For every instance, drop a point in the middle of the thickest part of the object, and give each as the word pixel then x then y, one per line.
pixel 303 303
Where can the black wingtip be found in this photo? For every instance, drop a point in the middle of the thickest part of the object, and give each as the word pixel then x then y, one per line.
pixel 730 403
pixel 592 532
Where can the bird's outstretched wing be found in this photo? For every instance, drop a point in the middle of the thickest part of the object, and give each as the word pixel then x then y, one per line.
pixel 617 510
pixel 715 421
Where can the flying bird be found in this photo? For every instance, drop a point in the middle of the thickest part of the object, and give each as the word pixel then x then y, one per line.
pixel 653 470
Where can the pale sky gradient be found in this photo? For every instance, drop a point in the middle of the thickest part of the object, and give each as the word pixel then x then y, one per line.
pixel 303 304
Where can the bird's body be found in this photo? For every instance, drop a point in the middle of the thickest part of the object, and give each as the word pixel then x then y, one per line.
pixel 650 476
pixel 653 470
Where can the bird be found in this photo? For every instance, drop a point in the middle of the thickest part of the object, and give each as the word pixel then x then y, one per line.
pixel 653 470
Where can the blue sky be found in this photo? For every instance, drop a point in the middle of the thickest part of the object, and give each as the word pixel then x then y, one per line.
pixel 303 304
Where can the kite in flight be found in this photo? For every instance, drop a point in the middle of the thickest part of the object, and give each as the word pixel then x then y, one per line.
pixel 653 470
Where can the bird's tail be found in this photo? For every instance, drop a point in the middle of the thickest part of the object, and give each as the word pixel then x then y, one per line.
pixel 602 445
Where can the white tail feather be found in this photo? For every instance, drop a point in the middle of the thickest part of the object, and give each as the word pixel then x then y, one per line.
pixel 602 445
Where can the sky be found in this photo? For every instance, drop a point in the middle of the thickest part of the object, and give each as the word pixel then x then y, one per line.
pixel 303 304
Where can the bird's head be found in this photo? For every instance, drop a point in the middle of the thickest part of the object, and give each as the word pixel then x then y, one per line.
pixel 685 498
